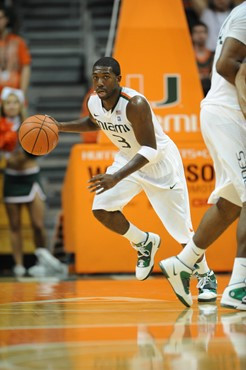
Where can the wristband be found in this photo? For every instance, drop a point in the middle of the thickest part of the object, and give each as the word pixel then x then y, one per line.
pixel 148 152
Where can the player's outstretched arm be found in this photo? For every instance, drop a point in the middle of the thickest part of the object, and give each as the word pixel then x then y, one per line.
pixel 240 83
pixel 80 125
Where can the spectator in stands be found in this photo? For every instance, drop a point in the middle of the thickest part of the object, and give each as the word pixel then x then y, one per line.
pixel 191 15
pixel 204 56
pixel 14 57
pixel 212 13
pixel 22 187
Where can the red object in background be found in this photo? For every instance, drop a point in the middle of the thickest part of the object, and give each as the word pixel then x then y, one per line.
pixel 8 137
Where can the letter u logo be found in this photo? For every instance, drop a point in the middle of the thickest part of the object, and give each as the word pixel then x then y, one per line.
pixel 171 92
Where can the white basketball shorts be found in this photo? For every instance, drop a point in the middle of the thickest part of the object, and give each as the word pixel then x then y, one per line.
pixel 224 132
pixel 165 186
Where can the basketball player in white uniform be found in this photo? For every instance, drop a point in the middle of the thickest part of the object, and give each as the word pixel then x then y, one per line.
pixel 147 160
pixel 223 124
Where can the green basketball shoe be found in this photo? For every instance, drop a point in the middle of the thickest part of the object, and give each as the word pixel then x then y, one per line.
pixel 234 296
pixel 146 254
pixel 178 275
pixel 207 285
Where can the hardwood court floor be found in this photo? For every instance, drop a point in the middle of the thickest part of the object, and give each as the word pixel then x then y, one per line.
pixel 116 324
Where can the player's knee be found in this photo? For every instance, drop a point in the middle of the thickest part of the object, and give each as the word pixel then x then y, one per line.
pixel 100 214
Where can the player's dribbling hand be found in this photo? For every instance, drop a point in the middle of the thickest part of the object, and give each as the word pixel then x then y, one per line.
pixel 101 183
pixel 55 121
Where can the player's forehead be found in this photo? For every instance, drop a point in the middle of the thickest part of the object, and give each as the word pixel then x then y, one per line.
pixel 102 70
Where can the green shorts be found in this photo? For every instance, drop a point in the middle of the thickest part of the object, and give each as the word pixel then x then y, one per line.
pixel 22 186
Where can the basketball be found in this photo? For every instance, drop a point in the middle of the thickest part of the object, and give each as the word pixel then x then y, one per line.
pixel 38 135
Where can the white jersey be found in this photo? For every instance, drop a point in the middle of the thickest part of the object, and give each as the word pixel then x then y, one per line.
pixel 116 126
pixel 222 92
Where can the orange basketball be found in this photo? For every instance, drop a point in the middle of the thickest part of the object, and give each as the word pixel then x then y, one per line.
pixel 38 135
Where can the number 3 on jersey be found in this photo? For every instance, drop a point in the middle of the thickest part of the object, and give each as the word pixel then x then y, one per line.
pixel 123 140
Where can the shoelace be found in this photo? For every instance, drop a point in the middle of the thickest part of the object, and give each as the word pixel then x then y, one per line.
pixel 142 252
pixel 203 281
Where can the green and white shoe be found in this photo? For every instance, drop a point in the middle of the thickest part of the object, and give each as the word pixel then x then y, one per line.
pixel 234 296
pixel 146 254
pixel 178 275
pixel 207 285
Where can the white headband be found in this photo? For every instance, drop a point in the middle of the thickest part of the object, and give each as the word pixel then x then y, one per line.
pixel 6 91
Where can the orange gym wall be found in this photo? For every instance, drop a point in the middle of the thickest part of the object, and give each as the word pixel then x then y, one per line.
pixel 156 56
